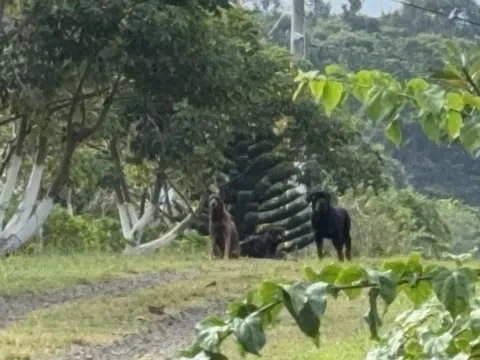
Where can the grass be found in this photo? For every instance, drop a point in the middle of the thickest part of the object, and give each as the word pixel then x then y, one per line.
pixel 105 318
pixel 50 271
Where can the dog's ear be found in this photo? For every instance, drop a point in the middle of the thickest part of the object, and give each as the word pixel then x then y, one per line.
pixel 310 197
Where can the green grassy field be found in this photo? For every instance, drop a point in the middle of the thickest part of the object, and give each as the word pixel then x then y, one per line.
pixel 105 318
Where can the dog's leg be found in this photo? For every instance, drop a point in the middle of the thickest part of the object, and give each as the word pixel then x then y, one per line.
pixel 213 245
pixel 319 243
pixel 347 237
pixel 228 242
pixel 348 247
pixel 215 250
pixel 338 244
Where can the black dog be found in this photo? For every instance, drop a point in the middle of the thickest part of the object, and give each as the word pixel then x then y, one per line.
pixel 264 244
pixel 330 222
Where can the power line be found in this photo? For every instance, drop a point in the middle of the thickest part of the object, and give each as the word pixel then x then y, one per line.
pixel 453 14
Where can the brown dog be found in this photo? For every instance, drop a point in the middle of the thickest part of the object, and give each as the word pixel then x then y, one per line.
pixel 223 230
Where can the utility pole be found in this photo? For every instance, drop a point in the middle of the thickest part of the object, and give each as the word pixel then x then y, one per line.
pixel 297 32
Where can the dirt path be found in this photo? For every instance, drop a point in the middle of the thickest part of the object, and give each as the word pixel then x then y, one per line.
pixel 15 307
pixel 161 340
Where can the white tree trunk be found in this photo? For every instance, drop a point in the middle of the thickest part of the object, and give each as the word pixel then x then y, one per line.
pixel 140 225
pixel 25 209
pixel 124 219
pixel 27 220
pixel 10 182
pixel 12 241
pixel 161 241
pixel 132 226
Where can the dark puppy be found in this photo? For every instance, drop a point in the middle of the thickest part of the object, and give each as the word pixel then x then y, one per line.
pixel 223 230
pixel 264 244
pixel 330 222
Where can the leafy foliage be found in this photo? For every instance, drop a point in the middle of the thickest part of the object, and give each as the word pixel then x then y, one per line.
pixel 65 233
pixel 396 221
pixel 418 333
pixel 446 112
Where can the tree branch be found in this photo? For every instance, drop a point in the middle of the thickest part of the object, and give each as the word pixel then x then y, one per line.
pixel 122 184
pixel 103 114
pixel 185 200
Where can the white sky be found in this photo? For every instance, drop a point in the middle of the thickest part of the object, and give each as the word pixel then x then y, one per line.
pixel 370 7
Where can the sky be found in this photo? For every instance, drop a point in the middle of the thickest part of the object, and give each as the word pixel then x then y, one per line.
pixel 370 7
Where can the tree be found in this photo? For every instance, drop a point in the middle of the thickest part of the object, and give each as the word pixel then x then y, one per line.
pixel 61 73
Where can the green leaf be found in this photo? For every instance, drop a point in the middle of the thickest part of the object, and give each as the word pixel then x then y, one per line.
pixel 416 86
pixel 475 351
pixel 330 273
pixel 387 284
pixel 241 309
pixel 299 89
pixel 393 131
pixel 210 333
pixel 431 100
pixel 446 74
pixel 472 100
pixel 396 266
pixel 310 274
pixel 430 127
pixel 307 304
pixel 454 101
pixel 332 94
pixel 470 136
pixel 475 322
pixel 249 333
pixel 413 349
pixel 270 293
pixel 414 259
pixel 374 106
pixel 351 275
pixel 454 124
pixel 418 294
pixel 317 298
pixel 334 69
pixel 362 82
pixel 382 103
pixel 316 88
pixel 454 289
pixel 296 302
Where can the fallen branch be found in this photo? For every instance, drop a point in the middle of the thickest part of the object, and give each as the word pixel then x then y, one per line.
pixel 167 238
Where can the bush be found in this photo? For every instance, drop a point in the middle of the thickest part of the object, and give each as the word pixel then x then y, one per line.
pixel 464 223
pixel 65 233
pixel 393 222
pixel 191 242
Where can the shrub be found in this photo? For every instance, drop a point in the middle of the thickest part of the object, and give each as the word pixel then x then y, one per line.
pixel 191 242
pixel 65 233
pixel 464 223
pixel 393 222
